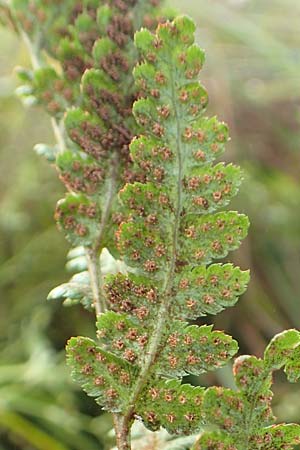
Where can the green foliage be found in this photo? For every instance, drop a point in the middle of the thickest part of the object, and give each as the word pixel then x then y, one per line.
pixel 283 351
pixel 48 152
pixel 168 238
pixel 244 417
pixel 125 340
pixel 77 290
pixel 170 235
pixel 170 228
pixel 209 290
pixel 100 373
pixel 83 56
pixel 101 128
pixel 73 215
pixel 174 406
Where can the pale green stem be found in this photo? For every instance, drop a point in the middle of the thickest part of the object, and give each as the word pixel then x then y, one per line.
pixel 110 195
pixel 59 133
pixel 33 49
pixel 93 253
pixel 34 52
pixel 95 281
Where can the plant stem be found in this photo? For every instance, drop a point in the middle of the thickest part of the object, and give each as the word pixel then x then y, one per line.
pixel 33 49
pixel 95 280
pixel 110 195
pixel 58 129
pixel 93 253
pixel 122 430
pixel 34 53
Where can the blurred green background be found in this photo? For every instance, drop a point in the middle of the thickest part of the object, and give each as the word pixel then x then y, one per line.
pixel 252 74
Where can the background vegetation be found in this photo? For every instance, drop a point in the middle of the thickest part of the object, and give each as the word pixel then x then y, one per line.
pixel 252 76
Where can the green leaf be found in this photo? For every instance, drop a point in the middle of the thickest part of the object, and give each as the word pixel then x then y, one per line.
pixel 244 417
pixel 76 260
pixel 104 15
pixel 143 40
pixel 172 405
pixel 75 215
pixel 282 436
pixel 206 138
pixel 163 235
pixel 214 439
pixel 251 375
pixel 102 48
pixel 100 374
pixel 80 173
pixel 194 350
pixel 224 408
pixel 84 22
pixel 86 131
pixel 292 366
pixel 51 91
pixel 74 59
pixel 123 336
pixel 150 254
pixel 77 290
pixel 46 151
pixel 134 295
pixel 208 290
pixel 211 236
pixel 149 218
pixel 281 348
pixel 240 423
pixel 207 190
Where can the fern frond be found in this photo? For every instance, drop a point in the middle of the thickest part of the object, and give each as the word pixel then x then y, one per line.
pixel 169 233
pixel 244 417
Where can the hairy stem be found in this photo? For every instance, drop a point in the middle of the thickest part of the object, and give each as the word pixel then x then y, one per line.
pixel 58 129
pixel 110 195
pixel 34 49
pixel 94 266
pixel 122 430
pixel 95 280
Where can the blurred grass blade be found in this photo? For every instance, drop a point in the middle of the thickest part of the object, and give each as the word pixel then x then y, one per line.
pixel 25 429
